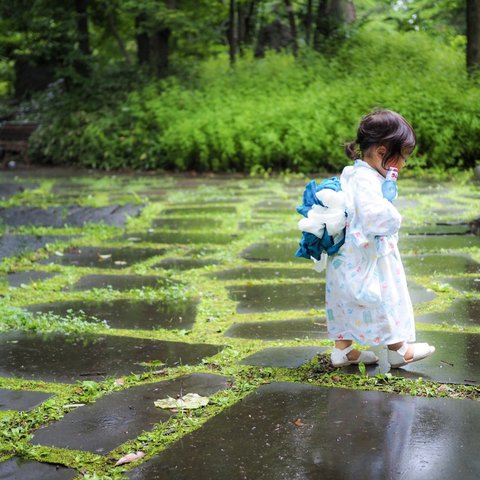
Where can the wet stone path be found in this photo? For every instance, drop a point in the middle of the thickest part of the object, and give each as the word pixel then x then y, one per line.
pixel 118 291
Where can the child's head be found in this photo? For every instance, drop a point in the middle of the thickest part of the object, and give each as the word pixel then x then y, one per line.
pixel 387 129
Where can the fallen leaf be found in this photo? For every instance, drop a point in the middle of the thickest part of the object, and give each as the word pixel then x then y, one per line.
pixel 298 422
pixel 120 381
pixel 104 257
pixel 188 402
pixel 74 405
pixel 120 262
pixel 129 458
pixel 59 254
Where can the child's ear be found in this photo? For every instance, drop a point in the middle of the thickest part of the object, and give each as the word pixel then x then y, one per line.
pixel 381 151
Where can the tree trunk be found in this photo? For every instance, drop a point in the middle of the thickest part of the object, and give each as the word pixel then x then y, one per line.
pixel 293 26
pixel 142 39
pixel 322 25
pixel 473 35
pixel 82 26
pixel 308 22
pixel 159 50
pixel 232 32
pixel 250 22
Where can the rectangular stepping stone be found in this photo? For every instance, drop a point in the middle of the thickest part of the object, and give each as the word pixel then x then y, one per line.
pixel 419 294
pixel 283 357
pixel 121 416
pixel 430 243
pixel 464 312
pixel 183 263
pixel 432 264
pixel 103 257
pixel 56 357
pixel 294 431
pixel 128 314
pixel 463 284
pixel 18 468
pixel 13 245
pixel 18 279
pixel 8 190
pixel 200 211
pixel 21 399
pixel 74 216
pixel 252 273
pixel 273 252
pixel 436 229
pixel 265 298
pixel 117 282
pixel 456 360
pixel 181 237
pixel 187 223
pixel 279 330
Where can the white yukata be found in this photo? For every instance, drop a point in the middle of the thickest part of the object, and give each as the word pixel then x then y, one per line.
pixel 367 299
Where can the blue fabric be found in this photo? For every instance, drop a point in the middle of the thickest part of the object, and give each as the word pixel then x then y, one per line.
pixel 310 244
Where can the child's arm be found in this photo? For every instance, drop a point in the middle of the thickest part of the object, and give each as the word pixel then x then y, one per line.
pixel 376 214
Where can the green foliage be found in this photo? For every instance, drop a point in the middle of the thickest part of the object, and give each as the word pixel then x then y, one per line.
pixel 275 113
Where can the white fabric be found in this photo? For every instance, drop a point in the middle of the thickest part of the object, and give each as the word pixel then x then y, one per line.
pixel 367 299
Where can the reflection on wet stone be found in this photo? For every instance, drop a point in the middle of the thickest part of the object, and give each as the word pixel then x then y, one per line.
pixel 436 229
pixel 121 416
pixel 279 330
pixel 283 357
pixel 130 314
pixel 200 211
pixel 181 238
pixel 456 360
pixel 18 279
pixel 293 431
pixel 103 257
pixel 251 273
pixel 464 311
pixel 264 298
pixel 183 263
pixel 117 282
pixel 186 223
pixel 18 468
pixel 272 252
pixel 439 264
pixel 420 294
pixel 56 357
pixel 463 284
pixel 426 243
pixel 21 400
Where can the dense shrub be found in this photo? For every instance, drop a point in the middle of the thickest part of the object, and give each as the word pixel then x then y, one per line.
pixel 278 112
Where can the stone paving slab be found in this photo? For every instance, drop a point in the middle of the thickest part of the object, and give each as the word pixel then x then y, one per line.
pixel 117 282
pixel 200 211
pixel 131 314
pixel 21 399
pixel 18 279
pixel 20 469
pixel 74 216
pixel 436 229
pixel 283 357
pixel 427 243
pixel 186 223
pixel 464 311
pixel 262 273
pixel 56 357
pixel 456 360
pixel 181 238
pixel 463 284
pixel 265 298
pixel 12 245
pixel 8 190
pixel 279 329
pixel 103 257
pixel 450 264
pixel 184 263
pixel 273 252
pixel 291 431
pixel 120 416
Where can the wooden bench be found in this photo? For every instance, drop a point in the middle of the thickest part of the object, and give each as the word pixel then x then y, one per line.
pixel 14 138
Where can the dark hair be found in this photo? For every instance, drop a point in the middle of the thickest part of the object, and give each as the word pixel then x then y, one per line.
pixel 383 127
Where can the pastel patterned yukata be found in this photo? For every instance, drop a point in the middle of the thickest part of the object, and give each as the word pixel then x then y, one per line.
pixel 367 299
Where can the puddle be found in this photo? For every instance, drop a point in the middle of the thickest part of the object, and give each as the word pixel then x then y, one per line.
pixel 118 282
pixel 265 298
pixel 18 468
pixel 283 357
pixel 128 314
pixel 120 416
pixel 18 279
pixel 103 257
pixel 432 265
pixel 21 400
pixel 56 357
pixel 279 330
pixel 293 431
pixel 74 216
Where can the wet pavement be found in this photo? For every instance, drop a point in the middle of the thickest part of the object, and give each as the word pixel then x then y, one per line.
pixel 197 290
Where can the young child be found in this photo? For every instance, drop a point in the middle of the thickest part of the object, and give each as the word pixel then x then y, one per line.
pixel 367 299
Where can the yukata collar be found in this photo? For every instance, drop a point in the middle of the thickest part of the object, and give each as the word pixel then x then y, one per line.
pixel 361 163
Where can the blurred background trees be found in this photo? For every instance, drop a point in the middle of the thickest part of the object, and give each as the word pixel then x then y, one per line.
pixel 237 84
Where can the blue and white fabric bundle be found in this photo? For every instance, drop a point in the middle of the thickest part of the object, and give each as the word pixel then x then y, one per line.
pixel 323 228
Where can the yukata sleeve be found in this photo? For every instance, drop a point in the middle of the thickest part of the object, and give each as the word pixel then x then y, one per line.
pixel 376 214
